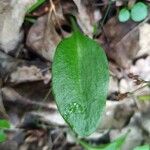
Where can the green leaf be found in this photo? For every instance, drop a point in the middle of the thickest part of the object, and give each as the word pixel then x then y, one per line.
pixel 144 147
pixel 3 136
pixel 115 145
pixel 4 124
pixel 35 6
pixel 80 79
pixel 144 97
pixel 139 12
pixel 124 15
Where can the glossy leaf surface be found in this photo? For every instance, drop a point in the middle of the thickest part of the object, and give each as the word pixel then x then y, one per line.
pixel 80 81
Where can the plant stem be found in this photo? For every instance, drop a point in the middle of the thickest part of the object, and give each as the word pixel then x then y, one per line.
pixel 74 24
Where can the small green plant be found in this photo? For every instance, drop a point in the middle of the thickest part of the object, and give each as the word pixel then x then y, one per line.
pixel 138 12
pixel 115 145
pixel 144 97
pixel 124 15
pixel 144 147
pixel 4 124
pixel 3 136
pixel 35 6
pixel 80 77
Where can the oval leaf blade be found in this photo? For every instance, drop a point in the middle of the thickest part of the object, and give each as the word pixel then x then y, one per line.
pixel 80 82
pixel 124 15
pixel 139 12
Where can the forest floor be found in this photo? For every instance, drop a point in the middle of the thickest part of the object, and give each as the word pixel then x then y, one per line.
pixel 28 39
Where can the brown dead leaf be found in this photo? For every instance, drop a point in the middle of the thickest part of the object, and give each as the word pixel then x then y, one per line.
pixel 28 73
pixel 17 71
pixel 14 99
pixel 87 16
pixel 43 39
pixel 34 91
pixel 69 7
pixel 122 42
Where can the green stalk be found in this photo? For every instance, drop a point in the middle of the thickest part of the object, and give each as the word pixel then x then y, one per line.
pixel 74 25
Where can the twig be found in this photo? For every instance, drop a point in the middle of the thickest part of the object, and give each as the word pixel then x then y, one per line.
pixel 136 90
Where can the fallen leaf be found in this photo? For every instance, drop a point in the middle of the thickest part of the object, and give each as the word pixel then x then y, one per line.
pixel 12 15
pixel 122 42
pixel 17 71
